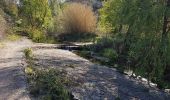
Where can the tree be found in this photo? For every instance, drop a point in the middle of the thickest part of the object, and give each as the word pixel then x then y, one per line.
pixel 142 22
pixel 37 13
pixel 109 16
pixel 55 6
pixel 10 7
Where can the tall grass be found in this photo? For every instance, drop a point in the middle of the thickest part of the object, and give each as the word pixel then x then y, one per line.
pixel 3 24
pixel 79 18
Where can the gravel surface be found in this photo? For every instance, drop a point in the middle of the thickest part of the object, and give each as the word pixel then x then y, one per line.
pixel 96 82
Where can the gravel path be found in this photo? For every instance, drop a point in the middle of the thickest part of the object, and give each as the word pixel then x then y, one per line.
pixel 91 81
pixel 12 80
pixel 95 82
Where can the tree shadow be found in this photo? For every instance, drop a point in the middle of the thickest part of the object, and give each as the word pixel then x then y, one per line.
pixel 12 83
pixel 110 84
pixel 96 82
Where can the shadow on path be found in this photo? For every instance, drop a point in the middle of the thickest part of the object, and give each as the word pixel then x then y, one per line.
pixel 96 82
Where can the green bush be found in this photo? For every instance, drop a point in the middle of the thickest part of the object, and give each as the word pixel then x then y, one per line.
pixel 28 53
pixel 110 53
pixel 145 60
pixel 103 42
pixel 12 10
pixel 36 13
pixel 9 7
pixel 36 35
pixel 48 85
pixel 13 37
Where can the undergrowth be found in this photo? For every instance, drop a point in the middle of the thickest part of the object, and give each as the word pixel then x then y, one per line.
pixel 13 37
pixel 46 84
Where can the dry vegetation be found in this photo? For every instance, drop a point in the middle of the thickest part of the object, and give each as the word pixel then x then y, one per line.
pixel 2 24
pixel 79 18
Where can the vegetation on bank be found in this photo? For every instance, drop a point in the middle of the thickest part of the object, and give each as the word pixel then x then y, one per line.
pixel 139 34
pixel 45 84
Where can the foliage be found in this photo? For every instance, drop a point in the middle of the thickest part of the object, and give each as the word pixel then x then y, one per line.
pixel 13 37
pixel 37 13
pixel 110 53
pixel 83 53
pixel 10 7
pixel 114 42
pixel 144 26
pixel 39 36
pixel 28 53
pixel 101 43
pixel 86 37
pixel 79 18
pixel 48 84
pixel 58 18
pixel 55 6
pixel 109 16
pixel 36 35
pixel 146 56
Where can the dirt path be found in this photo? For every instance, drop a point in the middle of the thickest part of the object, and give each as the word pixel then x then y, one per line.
pixel 12 80
pixel 93 82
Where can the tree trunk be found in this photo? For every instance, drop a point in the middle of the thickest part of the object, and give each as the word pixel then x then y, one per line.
pixel 149 80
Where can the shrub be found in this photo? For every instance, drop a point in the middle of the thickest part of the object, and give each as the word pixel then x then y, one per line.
pixel 110 53
pixel 13 37
pixel 36 13
pixel 109 16
pixel 28 53
pixel 79 18
pixel 57 11
pixel 12 9
pixel 36 35
pixel 103 42
pixel 47 84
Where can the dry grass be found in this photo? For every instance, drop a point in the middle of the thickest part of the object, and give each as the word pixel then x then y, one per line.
pixel 13 37
pixel 79 18
pixel 2 45
pixel 2 24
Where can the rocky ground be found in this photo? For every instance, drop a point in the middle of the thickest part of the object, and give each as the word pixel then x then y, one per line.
pixel 92 81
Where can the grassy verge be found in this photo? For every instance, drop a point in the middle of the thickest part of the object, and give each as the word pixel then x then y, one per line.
pixel 13 37
pixel 87 55
pixel 46 84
